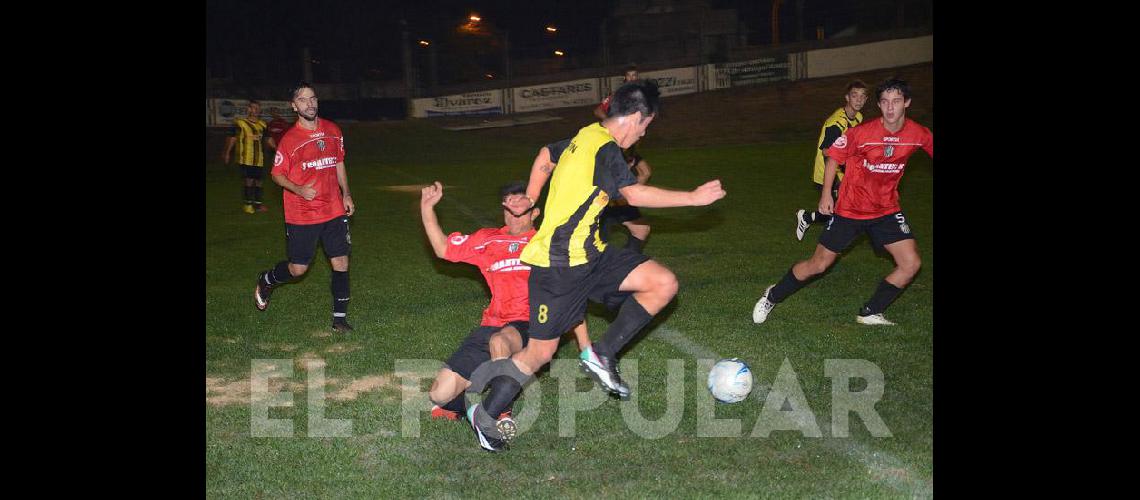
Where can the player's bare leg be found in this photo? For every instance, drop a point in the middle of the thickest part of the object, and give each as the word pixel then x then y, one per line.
pixel 447 394
pixel 504 342
pixel 582 336
pixel 653 286
pixel 793 280
pixel 907 264
pixel 819 262
pixel 447 390
pixel 535 355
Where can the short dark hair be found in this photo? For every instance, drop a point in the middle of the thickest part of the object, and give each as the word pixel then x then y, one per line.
pixel 515 187
pixel 297 88
pixel 855 84
pixel 893 84
pixel 631 97
pixel 631 67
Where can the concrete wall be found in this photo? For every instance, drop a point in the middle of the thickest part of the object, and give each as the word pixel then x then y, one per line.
pixel 856 58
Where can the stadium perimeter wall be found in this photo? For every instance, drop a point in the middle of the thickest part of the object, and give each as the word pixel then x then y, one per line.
pixel 793 66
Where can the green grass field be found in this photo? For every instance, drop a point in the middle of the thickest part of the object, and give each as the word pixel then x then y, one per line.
pixel 408 305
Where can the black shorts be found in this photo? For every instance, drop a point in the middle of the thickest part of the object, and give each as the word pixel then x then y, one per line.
pixel 558 295
pixel 841 231
pixel 249 172
pixel 834 189
pixel 301 240
pixel 475 349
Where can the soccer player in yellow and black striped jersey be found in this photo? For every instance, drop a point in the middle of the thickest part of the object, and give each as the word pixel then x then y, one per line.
pixel 247 136
pixel 570 262
pixel 842 119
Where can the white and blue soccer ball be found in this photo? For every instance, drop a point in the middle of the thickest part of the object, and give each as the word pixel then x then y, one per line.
pixel 730 380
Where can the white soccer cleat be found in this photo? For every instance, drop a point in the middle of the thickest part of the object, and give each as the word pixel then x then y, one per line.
pixel 604 371
pixel 763 307
pixel 801 225
pixel 489 433
pixel 874 319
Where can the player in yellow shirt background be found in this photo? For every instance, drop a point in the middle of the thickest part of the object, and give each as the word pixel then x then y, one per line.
pixel 842 119
pixel 247 136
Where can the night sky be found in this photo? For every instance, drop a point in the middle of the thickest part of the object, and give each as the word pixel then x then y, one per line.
pixel 369 32
pixel 268 35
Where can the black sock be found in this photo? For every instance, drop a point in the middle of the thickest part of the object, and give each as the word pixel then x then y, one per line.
pixel 635 244
pixel 809 217
pixel 340 294
pixel 821 218
pixel 257 195
pixel 247 194
pixel 458 404
pixel 787 286
pixel 630 320
pixel 279 274
pixel 504 390
pixel 505 381
pixel 884 295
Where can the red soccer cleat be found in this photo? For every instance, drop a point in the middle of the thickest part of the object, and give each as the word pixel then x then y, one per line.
pixel 437 412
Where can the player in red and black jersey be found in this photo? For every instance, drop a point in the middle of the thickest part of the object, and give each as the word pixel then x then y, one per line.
pixel 875 154
pixel 495 251
pixel 309 164
pixel 504 328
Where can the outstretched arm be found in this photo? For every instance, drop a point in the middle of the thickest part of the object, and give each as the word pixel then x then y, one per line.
pixel 641 195
pixel 429 196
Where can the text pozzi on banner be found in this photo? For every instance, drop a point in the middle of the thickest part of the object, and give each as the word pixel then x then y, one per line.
pixel 671 82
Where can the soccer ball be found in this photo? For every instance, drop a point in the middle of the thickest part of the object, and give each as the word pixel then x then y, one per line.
pixel 730 380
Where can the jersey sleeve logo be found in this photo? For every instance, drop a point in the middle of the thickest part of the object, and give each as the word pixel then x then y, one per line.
pixel 841 142
pixel 459 239
pixel 278 158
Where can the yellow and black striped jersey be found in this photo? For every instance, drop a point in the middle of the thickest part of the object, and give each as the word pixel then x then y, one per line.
pixel 833 127
pixel 249 133
pixel 589 172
